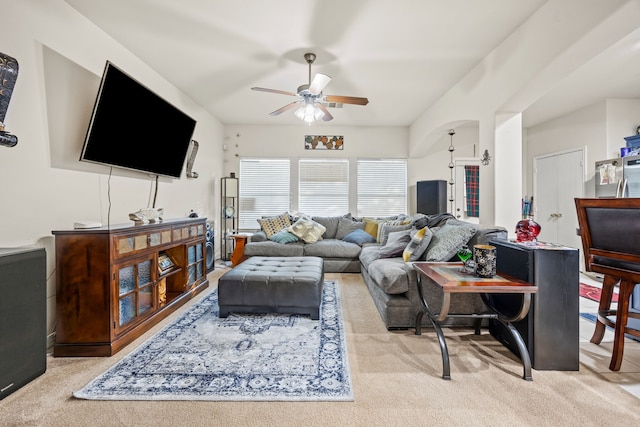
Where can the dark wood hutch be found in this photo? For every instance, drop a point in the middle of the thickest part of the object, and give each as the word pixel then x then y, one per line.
pixel 114 283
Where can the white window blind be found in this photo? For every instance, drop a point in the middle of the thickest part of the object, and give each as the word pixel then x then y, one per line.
pixel 323 187
pixel 382 187
pixel 264 190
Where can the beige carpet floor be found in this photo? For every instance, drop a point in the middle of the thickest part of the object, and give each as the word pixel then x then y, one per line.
pixel 396 379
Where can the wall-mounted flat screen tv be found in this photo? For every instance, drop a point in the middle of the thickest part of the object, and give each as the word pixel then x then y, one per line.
pixel 133 128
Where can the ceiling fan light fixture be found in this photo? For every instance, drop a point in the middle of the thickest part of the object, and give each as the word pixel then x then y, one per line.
pixel 309 113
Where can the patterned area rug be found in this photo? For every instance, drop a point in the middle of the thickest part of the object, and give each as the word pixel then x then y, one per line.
pixel 250 357
pixel 593 293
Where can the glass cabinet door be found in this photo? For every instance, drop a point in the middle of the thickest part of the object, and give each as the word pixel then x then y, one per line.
pixel 135 285
pixel 195 263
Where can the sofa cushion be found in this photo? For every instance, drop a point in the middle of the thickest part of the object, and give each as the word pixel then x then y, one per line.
pixel 269 248
pixel 359 237
pixel 307 230
pixel 332 248
pixel 368 254
pixel 420 240
pixel 390 274
pixel 283 236
pixel 447 240
pixel 346 226
pixel 330 223
pixel 396 243
pixel 274 224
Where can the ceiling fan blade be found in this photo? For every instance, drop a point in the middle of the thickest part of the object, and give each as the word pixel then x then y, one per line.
pixel 327 115
pixel 285 108
pixel 346 99
pixel 282 92
pixel 320 81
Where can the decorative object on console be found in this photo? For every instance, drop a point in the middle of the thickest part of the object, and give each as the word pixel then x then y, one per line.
pixel 8 77
pixel 527 230
pixel 164 262
pixel 312 103
pixel 323 142
pixel 192 158
pixel 147 215
pixel 484 258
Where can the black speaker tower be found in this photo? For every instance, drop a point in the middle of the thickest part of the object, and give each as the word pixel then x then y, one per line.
pixel 210 247
pixel 431 197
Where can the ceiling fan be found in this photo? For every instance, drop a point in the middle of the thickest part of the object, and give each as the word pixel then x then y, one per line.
pixel 312 103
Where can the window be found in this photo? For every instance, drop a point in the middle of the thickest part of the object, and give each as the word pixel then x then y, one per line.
pixel 382 187
pixel 264 190
pixel 323 187
pixel 320 187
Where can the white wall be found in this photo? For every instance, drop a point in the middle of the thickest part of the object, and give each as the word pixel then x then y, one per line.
pixel 43 186
pixel 623 118
pixel 360 142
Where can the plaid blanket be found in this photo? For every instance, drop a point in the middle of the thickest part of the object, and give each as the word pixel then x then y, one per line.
pixel 472 189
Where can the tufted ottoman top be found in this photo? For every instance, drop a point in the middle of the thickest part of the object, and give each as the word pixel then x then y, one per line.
pixel 276 270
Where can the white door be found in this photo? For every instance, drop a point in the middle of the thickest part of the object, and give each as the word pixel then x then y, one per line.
pixel 558 179
pixel 461 195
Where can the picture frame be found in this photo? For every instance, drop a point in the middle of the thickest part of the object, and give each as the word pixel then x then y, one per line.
pixel 324 142
pixel 165 263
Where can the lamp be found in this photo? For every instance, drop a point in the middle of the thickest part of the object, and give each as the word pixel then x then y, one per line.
pixel 309 112
pixel 486 158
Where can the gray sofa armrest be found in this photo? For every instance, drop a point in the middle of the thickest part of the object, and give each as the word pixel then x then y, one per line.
pixel 259 236
pixel 485 233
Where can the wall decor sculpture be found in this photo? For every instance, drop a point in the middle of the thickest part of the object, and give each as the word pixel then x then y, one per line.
pixel 8 76
pixel 323 142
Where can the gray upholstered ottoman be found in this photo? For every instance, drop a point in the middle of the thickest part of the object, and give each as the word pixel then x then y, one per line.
pixel 273 285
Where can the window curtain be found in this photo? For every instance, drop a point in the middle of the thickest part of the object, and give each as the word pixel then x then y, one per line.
pixel 472 189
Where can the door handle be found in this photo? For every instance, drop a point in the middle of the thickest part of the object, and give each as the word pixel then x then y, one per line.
pixel 618 189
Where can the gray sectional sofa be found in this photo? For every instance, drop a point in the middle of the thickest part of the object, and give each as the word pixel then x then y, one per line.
pixel 392 281
pixel 339 256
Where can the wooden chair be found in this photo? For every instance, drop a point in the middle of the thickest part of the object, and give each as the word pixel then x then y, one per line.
pixel 610 232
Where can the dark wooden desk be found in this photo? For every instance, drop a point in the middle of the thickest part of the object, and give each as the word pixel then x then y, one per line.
pixel 451 280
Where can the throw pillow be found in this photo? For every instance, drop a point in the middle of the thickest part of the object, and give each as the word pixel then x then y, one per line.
pixel 420 240
pixel 331 223
pixel 307 230
pixel 283 236
pixel 401 220
pixel 447 240
pixel 385 228
pixel 395 244
pixel 359 237
pixel 346 226
pixel 371 226
pixel 274 224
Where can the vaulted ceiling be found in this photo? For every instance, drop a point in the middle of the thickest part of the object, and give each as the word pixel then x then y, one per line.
pixel 402 55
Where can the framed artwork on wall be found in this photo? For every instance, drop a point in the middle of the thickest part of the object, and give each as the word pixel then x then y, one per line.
pixel 323 142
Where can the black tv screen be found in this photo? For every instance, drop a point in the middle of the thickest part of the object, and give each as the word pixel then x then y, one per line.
pixel 131 127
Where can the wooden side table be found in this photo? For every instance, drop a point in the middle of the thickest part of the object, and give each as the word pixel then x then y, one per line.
pixel 447 276
pixel 238 252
